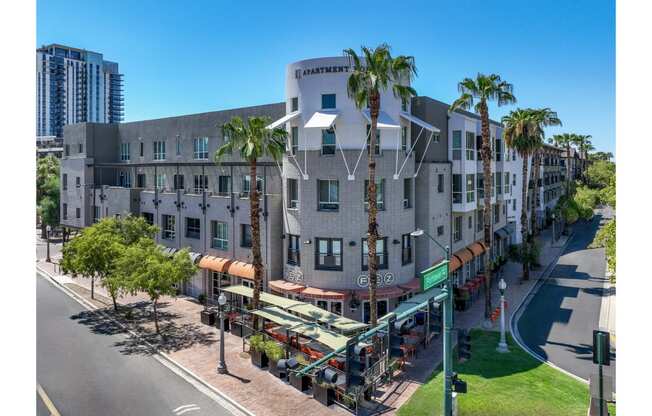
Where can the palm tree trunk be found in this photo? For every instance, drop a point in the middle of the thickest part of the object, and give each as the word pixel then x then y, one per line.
pixel 92 287
pixel 155 304
pixel 44 233
pixel 488 184
pixel 373 226
pixel 524 242
pixel 568 170
pixel 255 238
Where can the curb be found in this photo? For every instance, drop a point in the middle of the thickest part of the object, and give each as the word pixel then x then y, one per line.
pixel 518 311
pixel 160 356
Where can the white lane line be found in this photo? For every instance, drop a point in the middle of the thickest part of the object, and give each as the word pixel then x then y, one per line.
pixel 183 407
pixel 190 409
pixel 46 400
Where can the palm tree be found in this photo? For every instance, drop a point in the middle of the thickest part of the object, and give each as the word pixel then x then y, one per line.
pixel 543 117
pixel 565 140
pixel 519 134
pixel 483 89
pixel 254 141
pixel 372 74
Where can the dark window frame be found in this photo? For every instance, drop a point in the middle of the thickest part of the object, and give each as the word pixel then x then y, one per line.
pixel 294 250
pixel 383 258
pixel 195 233
pixel 329 252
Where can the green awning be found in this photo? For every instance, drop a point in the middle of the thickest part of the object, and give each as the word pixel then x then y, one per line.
pixel 312 312
pixel 279 316
pixel 414 301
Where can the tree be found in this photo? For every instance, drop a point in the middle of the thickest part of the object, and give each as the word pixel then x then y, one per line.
pixel 606 156
pixel 565 140
pixel 145 267
pixel 47 184
pixel 253 140
pixel 484 89
pixel 520 135
pixel 606 237
pixel 373 73
pixel 600 174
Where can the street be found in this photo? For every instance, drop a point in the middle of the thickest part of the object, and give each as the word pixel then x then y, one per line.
pixel 559 321
pixel 83 370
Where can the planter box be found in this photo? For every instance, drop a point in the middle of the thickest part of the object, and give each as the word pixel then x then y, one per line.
pixel 239 330
pixel 226 324
pixel 272 368
pixel 300 383
pixel 208 317
pixel 324 395
pixel 259 358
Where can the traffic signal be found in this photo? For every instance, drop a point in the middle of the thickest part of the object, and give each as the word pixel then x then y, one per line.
pixel 459 386
pixel 355 363
pixel 395 339
pixel 463 344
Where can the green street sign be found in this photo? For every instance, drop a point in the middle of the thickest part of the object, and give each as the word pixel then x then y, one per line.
pixel 434 276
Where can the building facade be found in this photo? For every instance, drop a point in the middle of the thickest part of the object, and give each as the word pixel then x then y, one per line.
pixel 314 219
pixel 75 86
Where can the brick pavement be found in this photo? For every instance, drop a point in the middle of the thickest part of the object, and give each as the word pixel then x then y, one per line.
pixel 195 346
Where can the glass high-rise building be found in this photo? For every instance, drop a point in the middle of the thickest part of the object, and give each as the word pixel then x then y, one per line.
pixel 75 86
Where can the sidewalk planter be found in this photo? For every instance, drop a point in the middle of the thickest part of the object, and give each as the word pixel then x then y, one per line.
pixel 300 383
pixel 239 330
pixel 324 394
pixel 259 358
pixel 274 352
pixel 273 369
pixel 208 317
pixel 226 324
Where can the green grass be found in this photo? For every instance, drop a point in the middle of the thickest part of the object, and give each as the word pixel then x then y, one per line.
pixel 503 385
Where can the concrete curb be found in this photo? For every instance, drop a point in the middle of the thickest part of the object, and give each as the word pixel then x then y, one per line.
pixel 518 312
pixel 160 356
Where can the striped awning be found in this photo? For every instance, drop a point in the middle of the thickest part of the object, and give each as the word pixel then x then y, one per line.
pixel 284 286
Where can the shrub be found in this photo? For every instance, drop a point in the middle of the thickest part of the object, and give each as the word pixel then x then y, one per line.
pixel 273 350
pixel 570 214
pixel 257 342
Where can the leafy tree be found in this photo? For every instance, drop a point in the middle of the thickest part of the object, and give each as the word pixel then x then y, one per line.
pixel 601 174
pixel 371 74
pixel 484 89
pixel 606 156
pixel 606 237
pixel 144 267
pixel 253 140
pixel 47 185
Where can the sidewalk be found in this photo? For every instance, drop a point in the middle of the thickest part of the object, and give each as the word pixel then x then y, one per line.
pixel 391 397
pixel 195 346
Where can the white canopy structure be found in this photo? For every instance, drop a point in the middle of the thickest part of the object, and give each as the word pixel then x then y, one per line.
pixel 281 121
pixel 419 122
pixel 322 120
pixel 384 120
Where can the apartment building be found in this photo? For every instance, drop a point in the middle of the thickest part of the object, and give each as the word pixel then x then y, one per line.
pixel 314 219
pixel 550 183
pixel 75 86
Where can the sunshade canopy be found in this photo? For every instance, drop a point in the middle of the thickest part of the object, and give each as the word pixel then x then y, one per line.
pixel 454 264
pixel 384 120
pixel 477 248
pixel 281 121
pixel 465 255
pixel 412 302
pixel 419 122
pixel 501 233
pixel 322 120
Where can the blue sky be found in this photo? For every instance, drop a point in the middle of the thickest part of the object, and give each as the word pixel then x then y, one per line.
pixel 196 56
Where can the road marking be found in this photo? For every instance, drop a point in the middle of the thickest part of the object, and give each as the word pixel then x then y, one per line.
pixel 46 400
pixel 185 409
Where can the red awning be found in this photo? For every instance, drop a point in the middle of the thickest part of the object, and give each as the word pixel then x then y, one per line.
pixel 412 285
pixel 216 264
pixel 283 286
pixel 313 292
pixel 241 269
pixel 382 292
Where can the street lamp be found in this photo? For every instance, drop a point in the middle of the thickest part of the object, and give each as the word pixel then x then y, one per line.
pixel 448 324
pixel 502 345
pixel 221 301
pixel 48 229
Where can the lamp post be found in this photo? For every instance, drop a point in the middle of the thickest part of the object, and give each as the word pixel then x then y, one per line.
pixel 448 324
pixel 502 345
pixel 48 229
pixel 221 301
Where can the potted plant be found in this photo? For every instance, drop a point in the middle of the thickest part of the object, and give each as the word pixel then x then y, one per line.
pixel 207 316
pixel 301 383
pixel 274 352
pixel 257 351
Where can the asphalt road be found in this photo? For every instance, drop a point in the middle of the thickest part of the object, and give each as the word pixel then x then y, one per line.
pixel 558 322
pixel 83 371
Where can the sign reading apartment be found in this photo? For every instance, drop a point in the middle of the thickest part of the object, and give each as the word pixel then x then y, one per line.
pixel 434 276
pixel 320 70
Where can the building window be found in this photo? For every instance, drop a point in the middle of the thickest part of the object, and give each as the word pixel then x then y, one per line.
pixel 404 139
pixel 381 253
pixel 470 146
pixel 294 138
pixel 168 227
pixel 77 213
pixel 328 101
pixel 440 231
pixel 329 194
pixel 440 183
pixel 499 150
pixel 514 205
pixel 470 221
pixel 224 185
pixel 514 180
pixel 457 229
pixel 159 150
pixel 377 146
pixel 246 185
pixel 457 145
pixel 294 256
pixel 178 141
pixel 457 189
pixel 336 307
pixel 380 194
pixel 124 152
pixel 65 211
pixel 406 249
pixel 219 235
pixel 293 193
pixel 96 213
pixel 294 104
pixel 496 213
pixel 480 187
pixel 148 216
pixel 470 188
pixel 178 182
pixel 200 148
pixel 66 150
pixel 479 216
pixel 201 183
pixel 124 179
pixel 506 183
pixel 221 280
pixel 142 149
pixel 64 181
pixel 245 235
pixel 193 228
pixel 80 148
pixel 328 253
pixel 140 180
pixel 328 142
pixel 407 193
pixel 161 181
pixel 498 177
